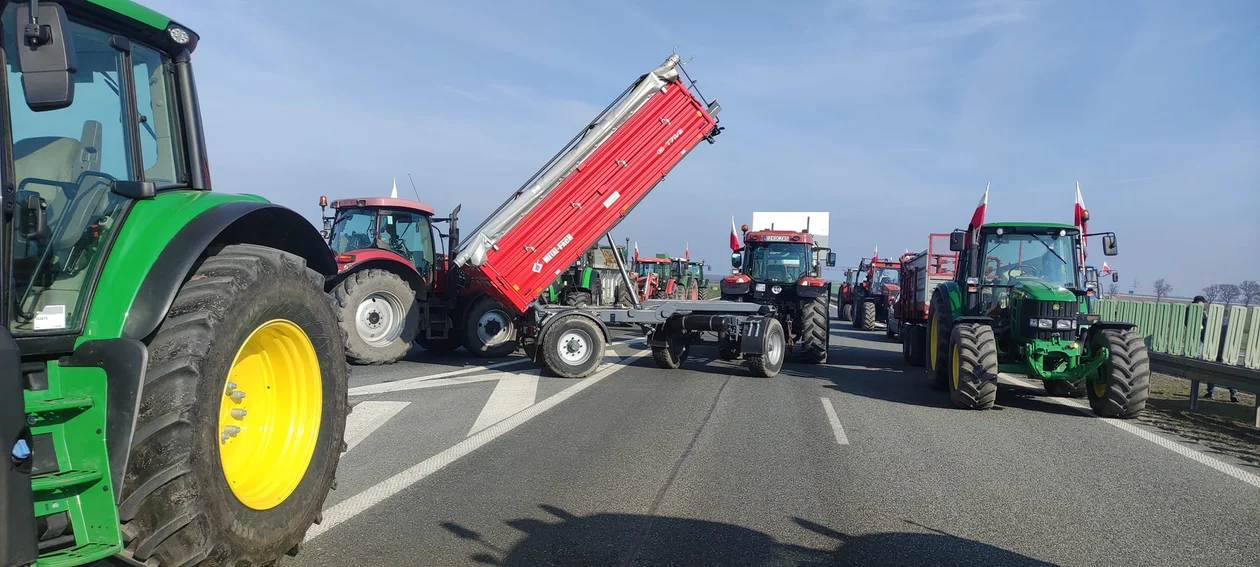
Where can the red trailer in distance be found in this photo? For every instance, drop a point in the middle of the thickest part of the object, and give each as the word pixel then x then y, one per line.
pixel 920 274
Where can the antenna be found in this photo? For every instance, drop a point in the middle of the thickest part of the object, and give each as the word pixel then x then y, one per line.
pixel 413 186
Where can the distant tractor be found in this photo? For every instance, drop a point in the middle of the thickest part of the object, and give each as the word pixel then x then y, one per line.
pixel 878 282
pixel 392 288
pixel 844 303
pixel 1018 304
pixel 578 286
pixel 781 268
pixel 654 277
pixel 692 284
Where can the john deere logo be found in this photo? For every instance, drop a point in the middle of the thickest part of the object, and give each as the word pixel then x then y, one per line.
pixel 1055 307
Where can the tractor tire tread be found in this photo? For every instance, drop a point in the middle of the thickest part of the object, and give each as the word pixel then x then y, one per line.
pixel 1129 383
pixel 815 331
pixel 344 298
pixel 978 366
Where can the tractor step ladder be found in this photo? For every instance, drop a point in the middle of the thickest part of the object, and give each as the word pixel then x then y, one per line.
pixel 439 326
pixel 75 506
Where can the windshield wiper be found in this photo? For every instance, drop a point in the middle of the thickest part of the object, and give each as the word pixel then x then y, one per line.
pixel 1051 250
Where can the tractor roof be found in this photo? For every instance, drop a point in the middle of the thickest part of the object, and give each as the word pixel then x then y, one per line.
pixel 652 260
pixel 770 235
pixel 1027 225
pixel 385 203
pixel 142 14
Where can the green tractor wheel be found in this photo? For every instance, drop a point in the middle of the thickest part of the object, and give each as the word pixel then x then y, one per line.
pixel 973 367
pixel 702 292
pixel 1123 382
pixel 240 427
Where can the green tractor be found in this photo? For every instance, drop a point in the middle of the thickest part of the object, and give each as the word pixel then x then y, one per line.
pixel 690 276
pixel 578 286
pixel 1018 304
pixel 174 380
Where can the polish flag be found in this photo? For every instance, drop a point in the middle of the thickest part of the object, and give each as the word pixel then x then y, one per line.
pixel 394 193
pixel 1080 218
pixel 977 218
pixel 1106 269
pixel 876 258
pixel 734 236
pixel 687 251
pixel 636 251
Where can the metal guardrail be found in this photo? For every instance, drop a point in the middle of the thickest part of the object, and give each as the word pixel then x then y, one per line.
pixel 1197 371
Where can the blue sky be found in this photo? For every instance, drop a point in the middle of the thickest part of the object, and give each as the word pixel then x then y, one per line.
pixel 891 115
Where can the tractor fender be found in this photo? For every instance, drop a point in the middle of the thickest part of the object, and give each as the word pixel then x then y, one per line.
pixel 231 222
pixel 542 331
pixel 1100 326
pixel 404 271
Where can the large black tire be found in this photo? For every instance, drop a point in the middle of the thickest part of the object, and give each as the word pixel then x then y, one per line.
pixel 846 312
pixel 1123 383
pixel 623 296
pixel 905 348
pixel 573 347
pixel 1065 388
pixel 702 293
pixel 973 366
pixel 867 315
pixel 177 506
pixel 378 312
pixel 672 356
pixel 937 351
pixel 489 329
pixel 774 346
pixel 815 331
pixel 578 299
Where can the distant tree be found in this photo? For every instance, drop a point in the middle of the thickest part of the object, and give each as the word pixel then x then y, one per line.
pixel 1162 289
pixel 1136 286
pixel 1212 293
pixel 1250 292
pixel 1229 293
pixel 1113 290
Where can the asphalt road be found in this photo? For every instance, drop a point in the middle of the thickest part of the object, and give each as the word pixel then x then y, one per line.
pixel 857 462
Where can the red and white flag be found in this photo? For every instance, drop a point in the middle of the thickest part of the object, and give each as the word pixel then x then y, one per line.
pixel 636 251
pixel 1079 216
pixel 734 236
pixel 687 251
pixel 1106 269
pixel 876 257
pixel 977 217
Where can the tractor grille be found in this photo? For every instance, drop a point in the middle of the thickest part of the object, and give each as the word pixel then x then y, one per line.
pixel 1053 310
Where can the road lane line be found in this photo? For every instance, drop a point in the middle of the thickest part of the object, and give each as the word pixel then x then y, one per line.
pixel 513 393
pixel 367 417
pixel 412 383
pixel 370 497
pixel 836 428
pixel 1164 442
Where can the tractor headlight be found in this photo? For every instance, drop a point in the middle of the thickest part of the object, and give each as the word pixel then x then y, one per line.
pixel 1045 324
pixel 1064 324
pixel 776 289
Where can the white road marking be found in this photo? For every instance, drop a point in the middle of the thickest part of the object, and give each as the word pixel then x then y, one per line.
pixel 1164 442
pixel 367 417
pixel 513 393
pixel 836 428
pixel 362 501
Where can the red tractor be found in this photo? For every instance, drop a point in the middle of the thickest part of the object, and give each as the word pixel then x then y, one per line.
pixel 844 303
pixel 653 278
pixel 781 268
pixel 393 287
pixel 878 283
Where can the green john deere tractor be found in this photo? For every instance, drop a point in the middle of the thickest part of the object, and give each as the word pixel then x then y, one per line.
pixel 173 386
pixel 1018 304
pixel 690 276
pixel 578 286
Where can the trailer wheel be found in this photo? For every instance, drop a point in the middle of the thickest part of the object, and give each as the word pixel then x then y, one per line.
pixel 973 368
pixel 773 347
pixel 377 309
pixel 573 347
pixel 1065 388
pixel 916 335
pixel 1123 382
pixel 490 331
pixel 241 422
pixel 674 354
pixel 938 333
pixel 815 331
pixel 867 315
pixel 846 312
pixel 905 348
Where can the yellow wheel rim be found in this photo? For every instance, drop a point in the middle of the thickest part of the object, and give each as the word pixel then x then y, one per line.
pixel 955 366
pixel 932 341
pixel 269 414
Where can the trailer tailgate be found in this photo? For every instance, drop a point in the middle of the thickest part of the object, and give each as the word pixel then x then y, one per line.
pixel 541 238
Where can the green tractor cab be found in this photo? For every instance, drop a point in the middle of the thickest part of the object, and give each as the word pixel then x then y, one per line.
pixel 171 389
pixel 1020 303
pixel 690 276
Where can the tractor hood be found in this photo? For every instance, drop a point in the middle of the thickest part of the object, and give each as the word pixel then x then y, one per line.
pixel 1044 291
pixel 890 288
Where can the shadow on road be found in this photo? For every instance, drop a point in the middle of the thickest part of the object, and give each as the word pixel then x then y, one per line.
pixel 599 540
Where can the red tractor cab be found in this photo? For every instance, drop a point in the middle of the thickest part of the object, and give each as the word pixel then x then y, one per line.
pixel 653 278
pixel 783 269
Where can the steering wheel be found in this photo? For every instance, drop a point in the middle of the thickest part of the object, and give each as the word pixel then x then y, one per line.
pixel 1023 270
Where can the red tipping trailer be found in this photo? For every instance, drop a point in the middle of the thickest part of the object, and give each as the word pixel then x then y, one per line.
pixel 920 274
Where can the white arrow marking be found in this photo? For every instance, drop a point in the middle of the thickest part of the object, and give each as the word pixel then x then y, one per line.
pixel 513 393
pixel 368 417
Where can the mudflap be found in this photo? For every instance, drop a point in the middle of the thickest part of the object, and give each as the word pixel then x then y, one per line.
pixel 753 330
pixel 18 545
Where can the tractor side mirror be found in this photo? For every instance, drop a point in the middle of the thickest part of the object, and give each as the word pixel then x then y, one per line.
pixel 1109 245
pixel 957 241
pixel 1115 277
pixel 831 259
pixel 46 56
pixel 737 259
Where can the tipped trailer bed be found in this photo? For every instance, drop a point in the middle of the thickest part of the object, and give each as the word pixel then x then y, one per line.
pixel 577 198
